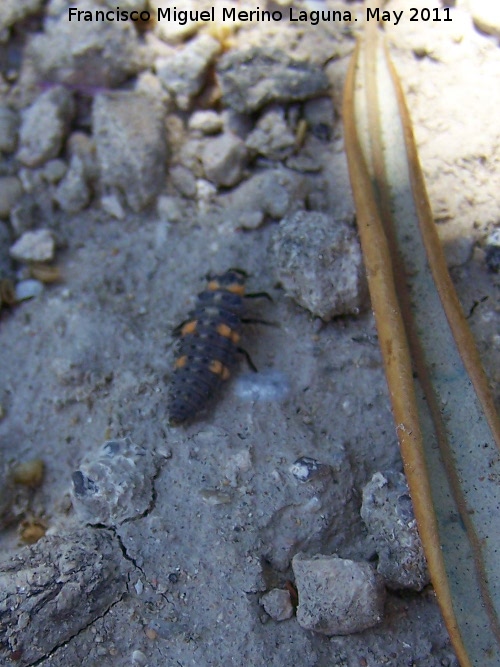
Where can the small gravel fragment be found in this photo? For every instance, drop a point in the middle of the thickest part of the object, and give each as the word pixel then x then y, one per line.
pixel 306 468
pixel 44 126
pixel 277 604
pixel 246 90
pixel 129 134
pixel 28 289
pixel 175 31
pixel 12 11
pixel 115 485
pixel 86 54
pixel 388 514
pixel 206 122
pixel 319 263
pixel 183 73
pixel 272 137
pixel 337 596
pixel 224 159
pixel 271 193
pixel 36 246
pixel 112 205
pixel 73 193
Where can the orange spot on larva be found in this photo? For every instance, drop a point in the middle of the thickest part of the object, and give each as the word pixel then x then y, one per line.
pixel 180 362
pixel 189 327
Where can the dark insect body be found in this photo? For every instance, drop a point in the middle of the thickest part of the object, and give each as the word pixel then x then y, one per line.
pixel 208 344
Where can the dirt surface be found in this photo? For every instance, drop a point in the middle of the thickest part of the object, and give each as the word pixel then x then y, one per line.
pixel 200 521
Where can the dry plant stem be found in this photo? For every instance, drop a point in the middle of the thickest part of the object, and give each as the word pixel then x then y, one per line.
pixel 411 295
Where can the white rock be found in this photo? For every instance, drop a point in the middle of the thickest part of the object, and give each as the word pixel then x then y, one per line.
pixel 36 246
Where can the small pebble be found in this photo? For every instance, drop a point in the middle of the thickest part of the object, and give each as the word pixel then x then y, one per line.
pixel 44 126
pixel 337 596
pixel 36 246
pixel 224 159
pixel 306 468
pixel 139 658
pixel 28 289
pixel 183 73
pixel 206 122
pixel 29 473
pixel 111 204
pixel 319 263
pixel 277 604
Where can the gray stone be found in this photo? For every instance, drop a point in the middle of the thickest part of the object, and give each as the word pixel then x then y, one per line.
pixel 189 155
pixel 224 159
pixel 184 73
pixel 115 485
pixel 24 215
pixel 277 604
pixel 44 126
pixel 319 263
pixel 311 157
pixel 12 11
pixel 388 514
pixel 129 134
pixel 54 171
pixel 86 54
pixel 271 193
pixel 74 191
pixel 9 127
pixel 36 246
pixel 245 89
pixel 11 191
pixel 56 588
pixel 272 137
pixel 112 205
pixel 28 289
pixel 337 596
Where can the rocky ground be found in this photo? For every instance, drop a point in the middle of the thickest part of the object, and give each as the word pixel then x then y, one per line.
pixel 136 157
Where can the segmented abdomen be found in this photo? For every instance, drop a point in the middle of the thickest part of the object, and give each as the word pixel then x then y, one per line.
pixel 208 346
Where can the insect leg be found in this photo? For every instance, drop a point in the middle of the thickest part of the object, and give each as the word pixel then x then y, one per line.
pixel 248 358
